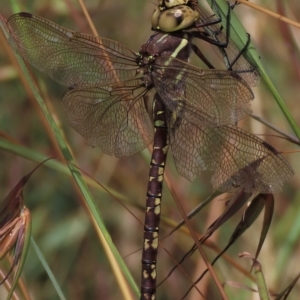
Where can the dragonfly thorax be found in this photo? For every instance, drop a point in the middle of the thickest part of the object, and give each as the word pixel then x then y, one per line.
pixel 160 44
pixel 174 18
pixel 145 63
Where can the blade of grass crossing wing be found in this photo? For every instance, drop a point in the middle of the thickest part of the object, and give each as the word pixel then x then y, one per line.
pixel 239 37
pixel 238 34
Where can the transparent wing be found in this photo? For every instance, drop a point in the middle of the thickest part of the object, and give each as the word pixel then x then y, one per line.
pixel 204 97
pixel 112 117
pixel 241 64
pixel 68 57
pixel 236 158
pixel 231 55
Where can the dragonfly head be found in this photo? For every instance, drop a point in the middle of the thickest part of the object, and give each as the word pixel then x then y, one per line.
pixel 173 15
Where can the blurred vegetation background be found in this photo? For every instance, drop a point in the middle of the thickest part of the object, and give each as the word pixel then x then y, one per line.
pixel 61 225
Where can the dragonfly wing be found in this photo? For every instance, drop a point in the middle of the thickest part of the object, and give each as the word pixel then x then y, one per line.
pixel 236 158
pixel 204 97
pixel 252 163
pixel 241 63
pixel 112 117
pixel 68 57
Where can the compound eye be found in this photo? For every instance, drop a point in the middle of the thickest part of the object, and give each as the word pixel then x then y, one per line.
pixel 155 18
pixel 173 19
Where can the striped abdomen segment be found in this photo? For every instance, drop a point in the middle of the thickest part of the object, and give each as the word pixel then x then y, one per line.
pixel 153 201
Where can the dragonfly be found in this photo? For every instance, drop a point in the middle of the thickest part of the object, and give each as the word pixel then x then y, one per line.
pixel 194 111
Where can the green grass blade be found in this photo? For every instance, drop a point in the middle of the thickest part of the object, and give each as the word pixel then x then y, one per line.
pixel 47 269
pixel 54 164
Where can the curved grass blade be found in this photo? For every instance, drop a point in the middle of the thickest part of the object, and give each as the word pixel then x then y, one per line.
pixel 232 208
pixel 236 204
pixel 268 202
pixel 285 293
